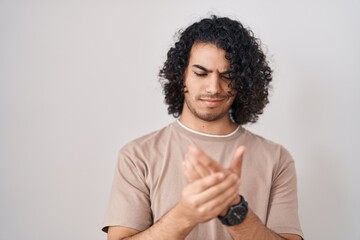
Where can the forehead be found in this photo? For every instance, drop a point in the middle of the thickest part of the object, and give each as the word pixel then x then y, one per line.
pixel 209 56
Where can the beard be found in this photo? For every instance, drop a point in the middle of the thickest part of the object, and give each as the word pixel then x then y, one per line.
pixel 208 117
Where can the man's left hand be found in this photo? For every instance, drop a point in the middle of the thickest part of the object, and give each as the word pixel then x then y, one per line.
pixel 198 165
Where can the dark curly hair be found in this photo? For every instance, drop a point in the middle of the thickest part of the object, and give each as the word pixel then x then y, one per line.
pixel 250 73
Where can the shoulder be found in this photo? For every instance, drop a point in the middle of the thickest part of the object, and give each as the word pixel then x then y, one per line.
pixel 266 147
pixel 139 155
pixel 148 142
pixel 258 140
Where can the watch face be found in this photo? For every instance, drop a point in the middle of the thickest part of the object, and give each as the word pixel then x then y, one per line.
pixel 236 215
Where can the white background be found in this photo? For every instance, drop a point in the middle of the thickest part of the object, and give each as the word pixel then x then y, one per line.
pixel 78 79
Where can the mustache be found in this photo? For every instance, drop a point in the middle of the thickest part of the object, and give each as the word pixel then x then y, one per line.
pixel 217 96
pixel 211 96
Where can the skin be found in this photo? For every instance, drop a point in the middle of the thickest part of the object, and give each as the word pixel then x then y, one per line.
pixel 211 188
pixel 198 165
pixel 208 96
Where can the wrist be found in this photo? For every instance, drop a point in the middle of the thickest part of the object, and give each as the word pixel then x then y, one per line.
pixel 186 221
pixel 236 213
pixel 234 202
pixel 172 225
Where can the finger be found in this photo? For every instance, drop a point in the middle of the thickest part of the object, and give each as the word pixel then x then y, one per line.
pixel 231 201
pixel 221 197
pixel 230 182
pixel 231 196
pixel 236 163
pixel 220 204
pixel 201 161
pixel 205 183
pixel 194 165
pixel 189 172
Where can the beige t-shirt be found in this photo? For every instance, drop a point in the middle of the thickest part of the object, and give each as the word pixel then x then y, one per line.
pixel 149 180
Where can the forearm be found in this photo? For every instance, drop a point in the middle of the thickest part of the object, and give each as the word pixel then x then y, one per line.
pixel 170 226
pixel 200 202
pixel 252 228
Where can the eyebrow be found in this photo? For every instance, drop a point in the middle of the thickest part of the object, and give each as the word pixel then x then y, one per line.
pixel 208 70
pixel 202 68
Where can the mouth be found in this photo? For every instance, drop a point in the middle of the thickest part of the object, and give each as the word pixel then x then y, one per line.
pixel 212 102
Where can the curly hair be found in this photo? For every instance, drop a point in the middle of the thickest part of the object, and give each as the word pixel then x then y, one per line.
pixel 250 73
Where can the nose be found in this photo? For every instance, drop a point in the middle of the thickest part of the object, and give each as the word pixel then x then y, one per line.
pixel 213 84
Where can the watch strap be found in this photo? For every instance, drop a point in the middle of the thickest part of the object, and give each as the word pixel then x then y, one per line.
pixel 236 213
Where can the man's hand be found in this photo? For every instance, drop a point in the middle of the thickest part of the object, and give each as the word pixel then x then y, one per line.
pixel 198 165
pixel 204 199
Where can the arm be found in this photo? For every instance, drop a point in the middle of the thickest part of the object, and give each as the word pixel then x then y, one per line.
pixel 201 200
pixel 198 165
pixel 253 228
pixel 169 227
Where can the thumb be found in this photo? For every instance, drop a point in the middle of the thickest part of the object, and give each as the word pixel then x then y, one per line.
pixel 236 163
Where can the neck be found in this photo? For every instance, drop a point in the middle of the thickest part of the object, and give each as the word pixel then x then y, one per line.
pixel 221 126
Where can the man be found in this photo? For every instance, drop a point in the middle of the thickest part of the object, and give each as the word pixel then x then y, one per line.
pixel 204 176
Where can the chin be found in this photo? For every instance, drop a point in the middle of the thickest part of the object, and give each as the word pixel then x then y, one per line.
pixel 211 117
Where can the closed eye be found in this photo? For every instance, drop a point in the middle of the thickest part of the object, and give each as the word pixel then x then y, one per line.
pixel 227 77
pixel 200 74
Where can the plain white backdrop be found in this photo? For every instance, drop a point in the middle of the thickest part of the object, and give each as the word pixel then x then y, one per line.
pixel 78 79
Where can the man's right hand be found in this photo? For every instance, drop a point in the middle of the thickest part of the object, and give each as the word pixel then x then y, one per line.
pixel 205 198
pixel 201 200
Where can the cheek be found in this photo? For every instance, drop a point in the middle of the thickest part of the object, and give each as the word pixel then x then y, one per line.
pixel 193 88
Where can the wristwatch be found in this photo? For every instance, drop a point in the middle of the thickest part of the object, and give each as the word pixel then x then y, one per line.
pixel 236 213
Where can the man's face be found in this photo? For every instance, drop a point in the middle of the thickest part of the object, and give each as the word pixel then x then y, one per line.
pixel 208 95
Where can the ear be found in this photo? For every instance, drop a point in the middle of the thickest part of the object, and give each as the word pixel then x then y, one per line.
pixel 185 89
pixel 185 76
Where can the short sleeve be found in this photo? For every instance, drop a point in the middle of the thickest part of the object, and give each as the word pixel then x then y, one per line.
pixel 129 204
pixel 283 205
